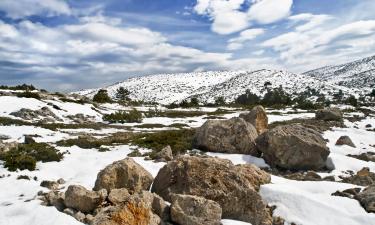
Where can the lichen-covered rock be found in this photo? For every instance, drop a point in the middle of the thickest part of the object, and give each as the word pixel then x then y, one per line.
pixel 194 210
pixel 258 118
pixel 81 199
pixel 293 147
pixel 367 198
pixel 329 114
pixel 118 196
pixel 165 154
pixel 228 136
pixel 125 173
pixel 233 187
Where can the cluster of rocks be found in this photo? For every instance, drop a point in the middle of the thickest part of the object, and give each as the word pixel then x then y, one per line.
pixel 44 115
pixel 290 147
pixel 200 190
pixel 81 118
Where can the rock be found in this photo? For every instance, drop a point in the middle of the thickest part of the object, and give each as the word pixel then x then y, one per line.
pixel 194 210
pixel 81 199
pixel 367 198
pixel 136 210
pixel 304 176
pixel 125 173
pixel 61 181
pixel 293 147
pixel 228 136
pixel 80 217
pixel 258 118
pixel 70 211
pixel 368 125
pixel 363 178
pixel 233 187
pixel 81 118
pixel 329 114
pixel 165 154
pixel 29 139
pixel 348 193
pixel 52 185
pixel 367 156
pixel 4 137
pixel 89 218
pixel 345 140
pixel 118 196
pixel 56 199
pixel 44 114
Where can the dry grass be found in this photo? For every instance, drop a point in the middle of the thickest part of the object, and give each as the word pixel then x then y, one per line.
pixel 132 214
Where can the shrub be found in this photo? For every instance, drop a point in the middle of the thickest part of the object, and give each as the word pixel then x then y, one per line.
pixel 28 94
pixel 132 214
pixel 248 99
pixel 351 100
pixel 220 101
pixel 122 94
pixel 25 156
pixel 154 112
pixel 133 116
pixel 25 87
pixel 102 97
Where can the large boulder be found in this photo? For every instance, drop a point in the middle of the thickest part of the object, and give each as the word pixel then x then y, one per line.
pixel 258 118
pixel 233 187
pixel 194 210
pixel 228 136
pixel 293 147
pixel 367 198
pixel 125 173
pixel 81 199
pixel 345 140
pixel 329 114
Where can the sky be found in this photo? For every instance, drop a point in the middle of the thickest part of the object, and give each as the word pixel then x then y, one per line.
pixel 66 45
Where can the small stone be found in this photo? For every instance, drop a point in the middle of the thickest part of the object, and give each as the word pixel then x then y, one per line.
pixel 52 185
pixel 61 181
pixel 345 140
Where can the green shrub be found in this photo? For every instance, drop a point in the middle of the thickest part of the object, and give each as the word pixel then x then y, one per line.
pixel 133 116
pixel 219 101
pixel 25 87
pixel 248 99
pixel 122 94
pixel 351 100
pixel 276 97
pixel 15 161
pixel 102 97
pixel 179 140
pixel 153 112
pixel 28 94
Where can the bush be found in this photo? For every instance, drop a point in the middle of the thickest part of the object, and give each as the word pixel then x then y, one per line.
pixel 25 156
pixel 133 116
pixel 248 99
pixel 220 101
pixel 179 140
pixel 351 100
pixel 102 97
pixel 154 112
pixel 25 87
pixel 28 94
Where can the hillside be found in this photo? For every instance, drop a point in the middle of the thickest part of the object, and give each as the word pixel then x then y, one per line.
pixel 357 74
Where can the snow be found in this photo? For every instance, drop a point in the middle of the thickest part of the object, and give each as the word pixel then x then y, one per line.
pixel 17 133
pixel 240 159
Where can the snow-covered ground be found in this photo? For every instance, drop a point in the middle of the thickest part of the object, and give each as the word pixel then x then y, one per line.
pixel 301 202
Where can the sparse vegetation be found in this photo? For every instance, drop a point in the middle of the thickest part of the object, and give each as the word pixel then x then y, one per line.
pixel 25 87
pixel 133 116
pixel 28 94
pixel 248 99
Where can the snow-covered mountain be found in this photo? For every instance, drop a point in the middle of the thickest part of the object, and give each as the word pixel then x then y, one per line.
pixel 357 74
pixel 168 88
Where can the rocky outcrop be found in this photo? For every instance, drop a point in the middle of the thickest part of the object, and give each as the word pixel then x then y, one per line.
pixel 363 178
pixel 6 146
pixel 44 114
pixel 81 118
pixel 118 196
pixel 329 114
pixel 293 147
pixel 229 136
pixel 258 118
pixel 233 187
pixel 81 199
pixel 125 173
pixel 345 140
pixel 193 210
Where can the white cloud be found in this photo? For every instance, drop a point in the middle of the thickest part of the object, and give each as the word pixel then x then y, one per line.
pixel 17 9
pixel 311 21
pixel 228 16
pixel 246 35
pixel 269 11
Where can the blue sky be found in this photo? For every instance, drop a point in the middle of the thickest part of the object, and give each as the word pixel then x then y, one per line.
pixel 74 44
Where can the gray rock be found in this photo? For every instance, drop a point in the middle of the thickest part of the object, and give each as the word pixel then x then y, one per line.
pixel 81 199
pixel 233 187
pixel 345 140
pixel 80 217
pixel 228 136
pixel 293 147
pixel 125 173
pixel 6 146
pixel 52 185
pixel 4 137
pixel 56 199
pixel 258 118
pixel 165 154
pixel 329 114
pixel 44 114
pixel 118 196
pixel 29 139
pixel 194 210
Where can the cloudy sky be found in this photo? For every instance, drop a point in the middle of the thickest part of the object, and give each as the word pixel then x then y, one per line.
pixel 72 44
